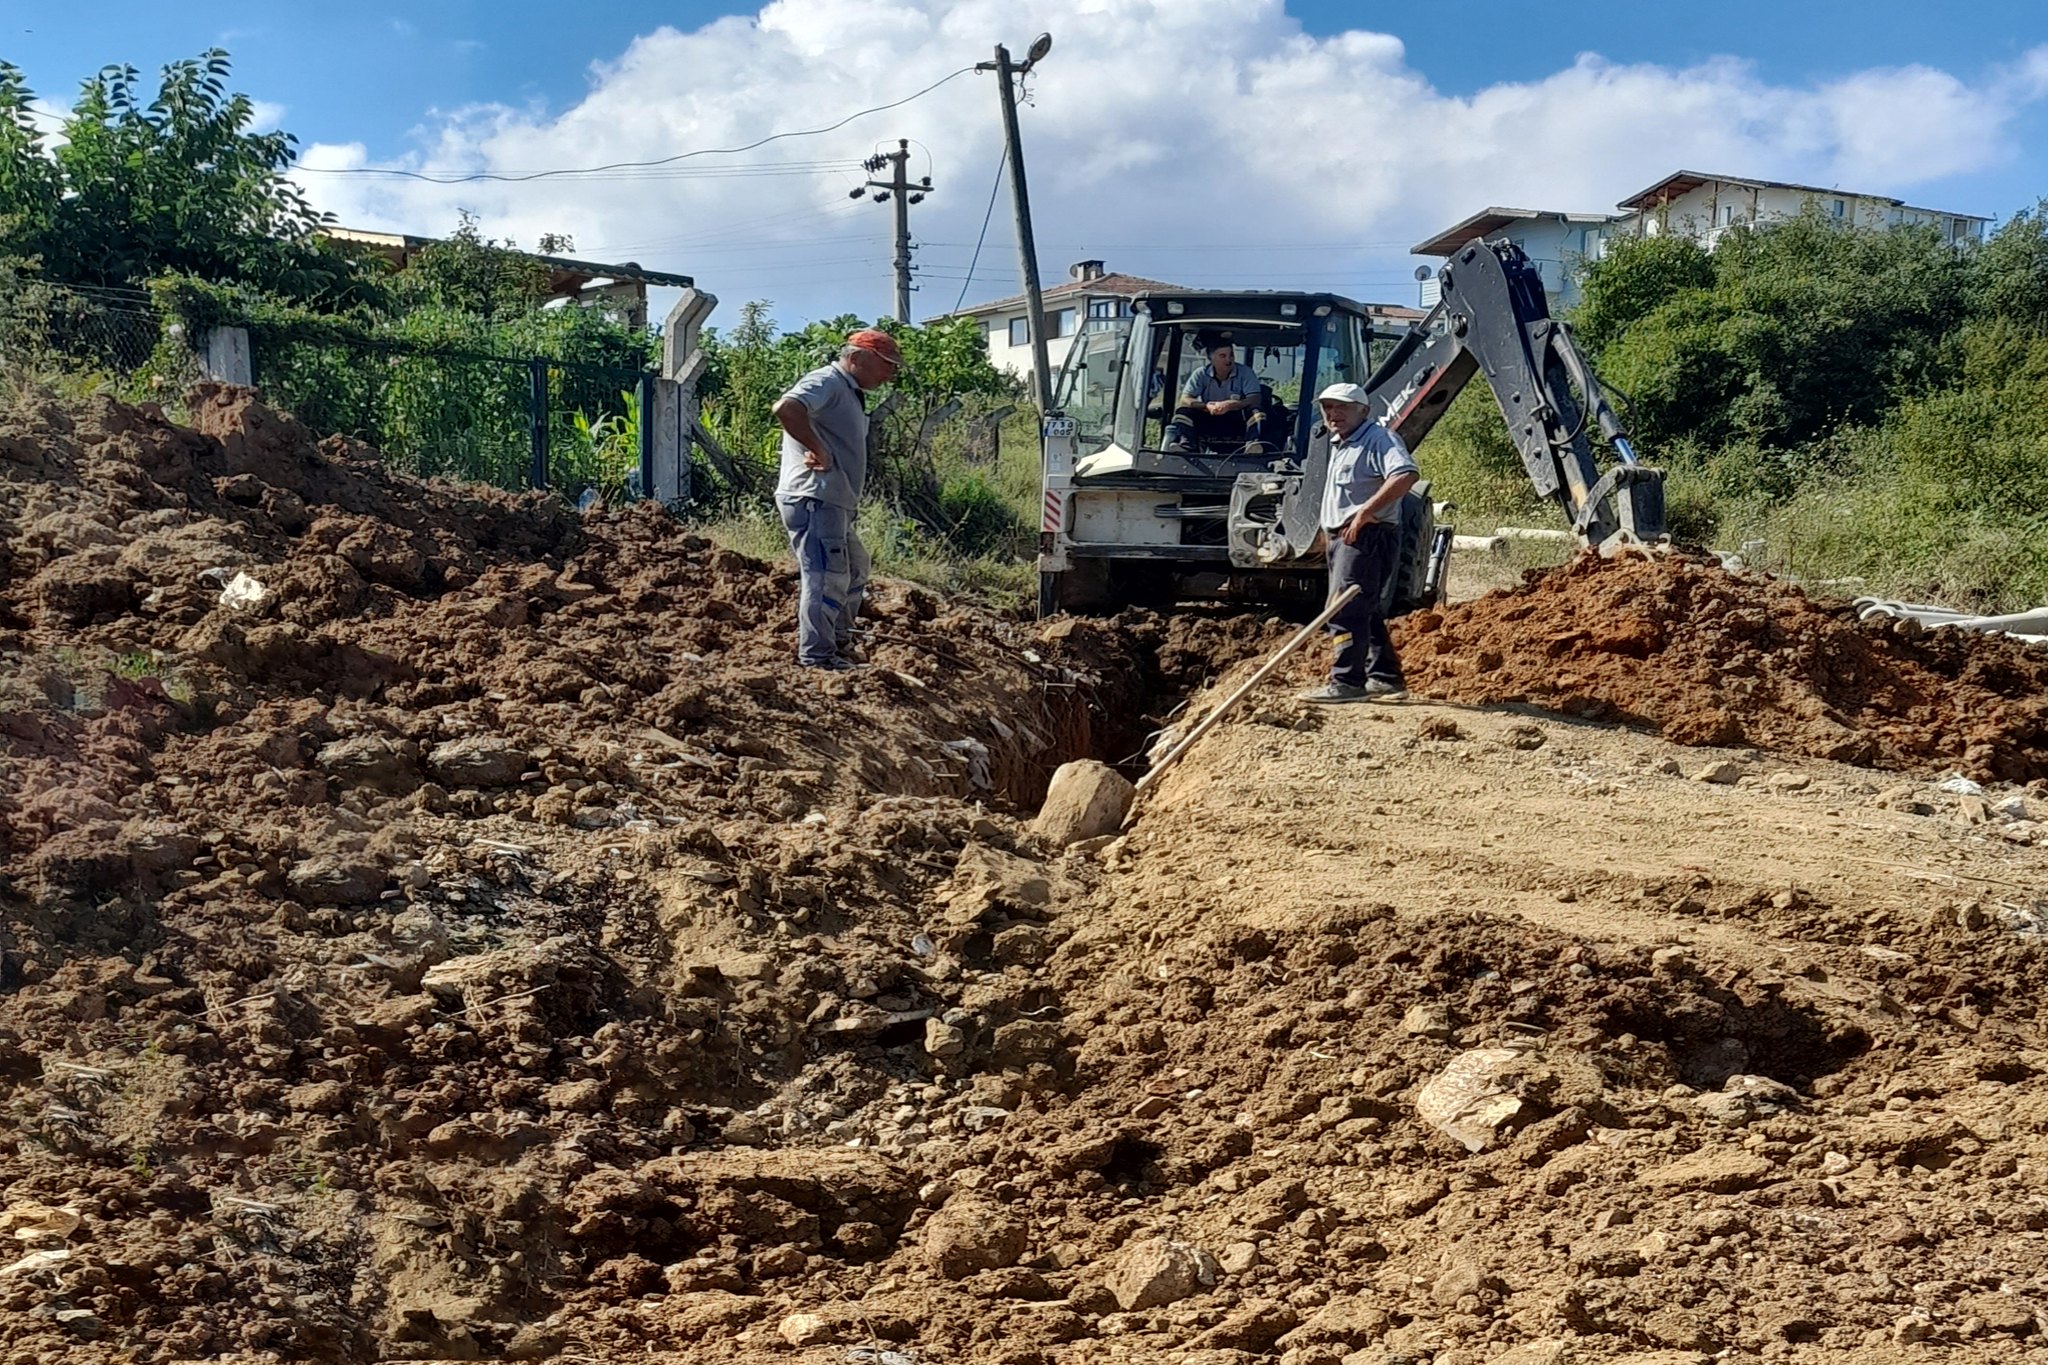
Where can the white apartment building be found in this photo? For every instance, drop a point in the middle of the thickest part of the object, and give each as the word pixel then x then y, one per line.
pixel 1555 242
pixel 1686 203
pixel 1704 207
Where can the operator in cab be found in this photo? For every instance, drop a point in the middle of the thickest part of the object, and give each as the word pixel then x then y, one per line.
pixel 1370 471
pixel 1219 407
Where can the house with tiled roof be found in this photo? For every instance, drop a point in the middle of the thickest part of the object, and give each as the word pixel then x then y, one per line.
pixel 1091 297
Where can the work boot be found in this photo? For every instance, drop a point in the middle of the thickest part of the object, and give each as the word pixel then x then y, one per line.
pixel 1379 689
pixel 1335 692
pixel 836 664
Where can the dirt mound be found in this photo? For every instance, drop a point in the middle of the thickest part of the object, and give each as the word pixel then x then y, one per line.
pixel 486 943
pixel 1710 657
pixel 356 940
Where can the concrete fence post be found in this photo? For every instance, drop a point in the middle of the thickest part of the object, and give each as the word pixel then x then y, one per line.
pixel 667 478
pixel 683 363
pixel 224 356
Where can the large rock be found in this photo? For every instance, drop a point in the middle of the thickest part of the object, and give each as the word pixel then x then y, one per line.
pixel 970 1235
pixel 1468 1099
pixel 373 761
pixel 1086 799
pixel 1718 1170
pixel 988 882
pixel 1743 1100
pixel 806 1329
pixel 337 879
pixel 1154 1272
pixel 478 761
pixel 517 968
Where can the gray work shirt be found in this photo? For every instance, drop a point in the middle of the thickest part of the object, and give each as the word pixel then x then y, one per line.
pixel 841 420
pixel 1204 387
pixel 1359 464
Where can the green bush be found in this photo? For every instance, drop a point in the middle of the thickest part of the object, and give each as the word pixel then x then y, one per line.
pixel 1870 404
pixel 979 520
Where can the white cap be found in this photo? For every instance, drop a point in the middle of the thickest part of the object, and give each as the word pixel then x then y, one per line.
pixel 1345 393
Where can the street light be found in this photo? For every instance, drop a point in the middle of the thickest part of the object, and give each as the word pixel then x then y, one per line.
pixel 1040 45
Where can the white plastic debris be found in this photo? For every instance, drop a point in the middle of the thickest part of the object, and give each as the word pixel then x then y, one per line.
pixel 244 593
pixel 1959 786
pixel 976 755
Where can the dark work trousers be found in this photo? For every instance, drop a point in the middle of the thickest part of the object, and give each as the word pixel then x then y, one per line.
pixel 832 575
pixel 1225 434
pixel 1364 650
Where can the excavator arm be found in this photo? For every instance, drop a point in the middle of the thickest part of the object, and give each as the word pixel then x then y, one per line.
pixel 1492 318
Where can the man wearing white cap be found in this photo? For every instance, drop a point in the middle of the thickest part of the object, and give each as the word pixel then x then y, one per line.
pixel 1370 471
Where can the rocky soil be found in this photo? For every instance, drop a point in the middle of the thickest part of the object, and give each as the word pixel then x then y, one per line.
pixel 483 942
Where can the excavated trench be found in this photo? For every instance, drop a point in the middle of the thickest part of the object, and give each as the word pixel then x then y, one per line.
pixel 491 946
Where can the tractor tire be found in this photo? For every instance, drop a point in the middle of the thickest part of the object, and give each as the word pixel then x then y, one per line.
pixel 1049 595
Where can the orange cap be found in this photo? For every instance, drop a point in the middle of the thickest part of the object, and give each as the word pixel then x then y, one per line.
pixel 881 343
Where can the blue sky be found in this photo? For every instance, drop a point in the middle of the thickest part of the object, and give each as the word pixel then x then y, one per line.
pixel 1441 115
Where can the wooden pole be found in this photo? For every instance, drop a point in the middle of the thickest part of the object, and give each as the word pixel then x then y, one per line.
pixel 1208 722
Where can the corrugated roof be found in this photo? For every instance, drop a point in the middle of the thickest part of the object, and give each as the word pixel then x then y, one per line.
pixel 568 274
pixel 1121 286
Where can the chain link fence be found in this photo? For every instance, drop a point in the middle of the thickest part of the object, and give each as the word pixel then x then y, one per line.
pixel 78 329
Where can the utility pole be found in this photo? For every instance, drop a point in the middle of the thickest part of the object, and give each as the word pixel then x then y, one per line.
pixel 1027 249
pixel 899 188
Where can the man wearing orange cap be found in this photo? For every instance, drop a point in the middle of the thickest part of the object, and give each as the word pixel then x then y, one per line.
pixel 824 464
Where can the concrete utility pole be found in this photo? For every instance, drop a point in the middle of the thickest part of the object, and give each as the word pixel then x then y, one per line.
pixel 899 188
pixel 1027 249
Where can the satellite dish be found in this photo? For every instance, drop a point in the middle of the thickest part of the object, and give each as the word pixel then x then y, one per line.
pixel 1423 272
pixel 1040 45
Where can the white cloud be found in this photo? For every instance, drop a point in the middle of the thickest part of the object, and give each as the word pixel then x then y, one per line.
pixel 265 115
pixel 1245 153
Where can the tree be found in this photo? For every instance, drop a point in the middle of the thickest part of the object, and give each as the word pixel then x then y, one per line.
pixel 29 186
pixel 1780 335
pixel 1636 277
pixel 468 272
pixel 2009 279
pixel 177 182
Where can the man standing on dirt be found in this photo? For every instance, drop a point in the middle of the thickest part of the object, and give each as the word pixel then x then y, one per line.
pixel 1219 405
pixel 1370 471
pixel 824 464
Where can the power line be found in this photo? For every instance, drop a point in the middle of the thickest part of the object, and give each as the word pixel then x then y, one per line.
pixel 634 165
pixel 1231 248
pixel 993 191
pixel 744 231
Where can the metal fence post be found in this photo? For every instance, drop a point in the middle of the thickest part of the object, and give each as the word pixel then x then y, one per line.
pixel 537 411
pixel 649 418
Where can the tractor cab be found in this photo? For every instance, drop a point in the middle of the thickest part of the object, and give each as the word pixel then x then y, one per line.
pixel 1137 505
